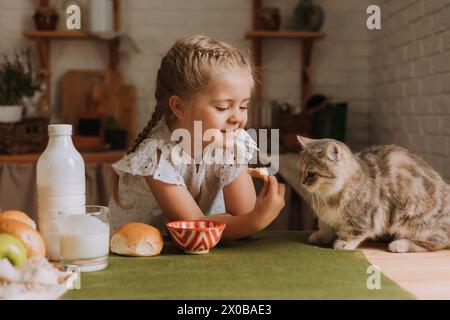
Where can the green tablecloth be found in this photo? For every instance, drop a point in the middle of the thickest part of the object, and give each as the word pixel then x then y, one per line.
pixel 268 265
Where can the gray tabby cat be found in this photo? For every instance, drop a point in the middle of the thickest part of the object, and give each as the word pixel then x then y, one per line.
pixel 382 191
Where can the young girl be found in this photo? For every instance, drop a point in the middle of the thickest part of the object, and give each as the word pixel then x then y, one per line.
pixel 200 79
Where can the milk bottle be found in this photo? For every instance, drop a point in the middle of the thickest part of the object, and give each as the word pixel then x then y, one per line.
pixel 60 178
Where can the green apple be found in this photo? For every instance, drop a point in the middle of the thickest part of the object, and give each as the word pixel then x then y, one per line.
pixel 13 249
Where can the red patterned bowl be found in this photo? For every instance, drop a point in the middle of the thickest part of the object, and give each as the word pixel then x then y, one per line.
pixel 196 237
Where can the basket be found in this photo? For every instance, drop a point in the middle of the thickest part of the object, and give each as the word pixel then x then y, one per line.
pixel 27 136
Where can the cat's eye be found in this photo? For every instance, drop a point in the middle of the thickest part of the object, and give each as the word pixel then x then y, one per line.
pixel 310 175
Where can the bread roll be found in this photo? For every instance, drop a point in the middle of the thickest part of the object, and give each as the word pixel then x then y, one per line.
pixel 258 172
pixel 137 239
pixel 31 238
pixel 19 216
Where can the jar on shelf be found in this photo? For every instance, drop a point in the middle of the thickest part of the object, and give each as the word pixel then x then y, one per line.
pixel 45 18
pixel 101 16
pixel 308 16
pixel 269 18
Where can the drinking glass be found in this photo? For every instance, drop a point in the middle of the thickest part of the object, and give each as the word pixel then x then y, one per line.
pixel 84 238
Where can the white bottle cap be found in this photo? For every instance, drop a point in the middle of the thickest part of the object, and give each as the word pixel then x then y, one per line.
pixel 60 130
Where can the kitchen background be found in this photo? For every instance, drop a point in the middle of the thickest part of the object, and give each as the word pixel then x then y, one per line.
pixel 395 81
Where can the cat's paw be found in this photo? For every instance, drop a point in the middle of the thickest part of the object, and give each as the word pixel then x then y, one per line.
pixel 318 237
pixel 345 245
pixel 399 246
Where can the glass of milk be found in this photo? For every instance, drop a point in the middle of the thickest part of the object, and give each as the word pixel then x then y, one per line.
pixel 84 238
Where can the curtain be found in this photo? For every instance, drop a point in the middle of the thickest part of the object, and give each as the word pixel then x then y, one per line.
pixel 18 186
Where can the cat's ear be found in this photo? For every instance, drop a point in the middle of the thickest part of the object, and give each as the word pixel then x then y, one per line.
pixel 303 141
pixel 334 152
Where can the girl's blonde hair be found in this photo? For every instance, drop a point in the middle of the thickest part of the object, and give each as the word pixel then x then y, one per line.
pixel 186 70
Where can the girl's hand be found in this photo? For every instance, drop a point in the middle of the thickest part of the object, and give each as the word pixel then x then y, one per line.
pixel 270 201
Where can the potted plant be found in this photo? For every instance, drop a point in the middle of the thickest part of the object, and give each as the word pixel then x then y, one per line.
pixel 19 85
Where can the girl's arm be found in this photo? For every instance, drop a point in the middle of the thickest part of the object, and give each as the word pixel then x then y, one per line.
pixel 240 195
pixel 177 203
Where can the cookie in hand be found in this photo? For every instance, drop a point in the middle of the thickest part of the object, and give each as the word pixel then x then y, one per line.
pixel 259 172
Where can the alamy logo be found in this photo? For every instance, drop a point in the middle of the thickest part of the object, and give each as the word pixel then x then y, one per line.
pixel 374 20
pixel 74 279
pixel 73 17
pixel 224 146
pixel 374 280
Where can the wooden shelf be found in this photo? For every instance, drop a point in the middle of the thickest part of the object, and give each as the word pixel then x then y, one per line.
pixel 284 34
pixel 257 36
pixel 36 34
pixel 89 157
pixel 43 41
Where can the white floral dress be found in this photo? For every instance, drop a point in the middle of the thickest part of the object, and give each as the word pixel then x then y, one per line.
pixel 205 184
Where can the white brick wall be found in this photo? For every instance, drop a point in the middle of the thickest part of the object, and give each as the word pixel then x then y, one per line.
pixel 397 80
pixel 340 61
pixel 410 68
pixel 14 17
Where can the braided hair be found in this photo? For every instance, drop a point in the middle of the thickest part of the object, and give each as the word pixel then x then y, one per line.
pixel 186 70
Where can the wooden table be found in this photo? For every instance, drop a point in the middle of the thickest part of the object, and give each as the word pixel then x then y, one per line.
pixel 89 157
pixel 424 274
